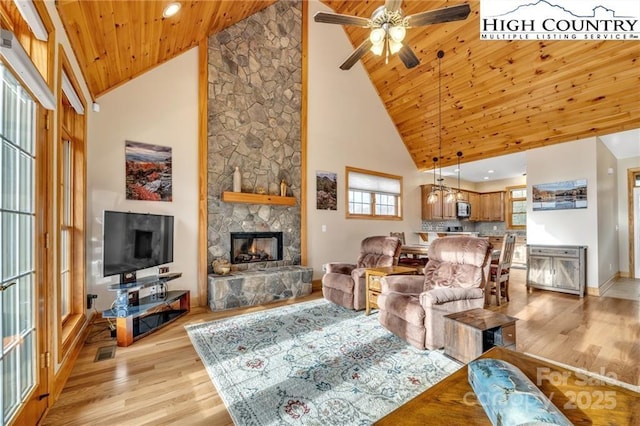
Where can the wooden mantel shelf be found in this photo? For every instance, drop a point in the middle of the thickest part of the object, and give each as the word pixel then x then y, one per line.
pixel 245 197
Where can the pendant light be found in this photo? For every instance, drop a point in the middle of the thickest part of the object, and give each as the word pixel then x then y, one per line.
pixel 450 197
pixel 433 196
pixel 459 196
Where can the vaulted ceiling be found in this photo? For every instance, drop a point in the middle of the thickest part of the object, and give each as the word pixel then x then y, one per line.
pixel 117 40
pixel 498 97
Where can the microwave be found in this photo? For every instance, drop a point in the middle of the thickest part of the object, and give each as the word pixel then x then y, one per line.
pixel 463 209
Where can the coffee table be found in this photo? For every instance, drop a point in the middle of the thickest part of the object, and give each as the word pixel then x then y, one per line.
pixel 468 334
pixel 372 282
pixel 584 398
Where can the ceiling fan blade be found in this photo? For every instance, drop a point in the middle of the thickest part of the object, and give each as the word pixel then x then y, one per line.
pixel 392 5
pixel 336 18
pixel 356 55
pixel 446 14
pixel 408 58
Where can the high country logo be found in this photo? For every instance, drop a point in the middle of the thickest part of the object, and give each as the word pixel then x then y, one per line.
pixel 559 20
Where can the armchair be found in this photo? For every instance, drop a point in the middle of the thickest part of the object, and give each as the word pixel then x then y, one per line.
pixel 413 307
pixel 343 283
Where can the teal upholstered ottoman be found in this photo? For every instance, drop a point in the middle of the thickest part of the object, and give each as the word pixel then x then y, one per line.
pixel 509 397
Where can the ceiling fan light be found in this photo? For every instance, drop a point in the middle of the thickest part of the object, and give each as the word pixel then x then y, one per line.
pixel 377 49
pixel 397 33
pixel 377 36
pixel 394 46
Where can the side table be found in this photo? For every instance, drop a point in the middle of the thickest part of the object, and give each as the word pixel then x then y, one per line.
pixel 372 282
pixel 468 334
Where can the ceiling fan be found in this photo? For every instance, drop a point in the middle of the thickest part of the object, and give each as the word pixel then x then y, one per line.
pixel 388 29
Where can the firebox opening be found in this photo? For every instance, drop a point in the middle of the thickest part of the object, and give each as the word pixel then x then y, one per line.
pixel 249 247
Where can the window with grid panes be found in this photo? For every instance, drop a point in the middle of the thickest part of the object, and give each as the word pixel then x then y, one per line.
pixel 373 195
pixel 71 184
pixel 17 246
pixel 517 207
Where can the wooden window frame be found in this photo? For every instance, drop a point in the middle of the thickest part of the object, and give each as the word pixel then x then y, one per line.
pixel 373 214
pixel 509 202
pixel 72 128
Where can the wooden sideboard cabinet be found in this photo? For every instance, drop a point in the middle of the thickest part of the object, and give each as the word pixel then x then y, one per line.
pixel 557 268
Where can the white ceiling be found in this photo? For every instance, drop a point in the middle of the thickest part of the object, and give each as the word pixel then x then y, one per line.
pixel 622 145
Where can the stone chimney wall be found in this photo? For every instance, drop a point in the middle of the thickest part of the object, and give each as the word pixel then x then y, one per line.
pixel 254 114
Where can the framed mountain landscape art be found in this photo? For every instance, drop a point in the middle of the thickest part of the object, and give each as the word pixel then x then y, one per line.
pixel 148 172
pixel 571 194
pixel 326 191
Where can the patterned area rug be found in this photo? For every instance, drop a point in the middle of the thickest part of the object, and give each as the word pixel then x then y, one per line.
pixel 313 363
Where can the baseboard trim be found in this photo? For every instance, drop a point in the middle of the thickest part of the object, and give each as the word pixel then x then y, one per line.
pixel 599 291
pixel 316 285
pixel 593 291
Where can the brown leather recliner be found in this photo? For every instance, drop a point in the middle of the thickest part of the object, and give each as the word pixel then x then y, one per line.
pixel 413 307
pixel 343 283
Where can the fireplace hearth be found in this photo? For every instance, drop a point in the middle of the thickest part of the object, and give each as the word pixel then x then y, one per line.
pixel 250 247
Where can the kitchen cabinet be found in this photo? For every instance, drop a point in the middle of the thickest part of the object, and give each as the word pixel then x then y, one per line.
pixel 488 207
pixel 474 201
pixel 438 210
pixel 557 268
pixel 464 196
pixel 492 206
pixel 430 211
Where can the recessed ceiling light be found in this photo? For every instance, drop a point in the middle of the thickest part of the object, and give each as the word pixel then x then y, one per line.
pixel 171 9
pixel 489 171
pixel 486 178
pixel 456 170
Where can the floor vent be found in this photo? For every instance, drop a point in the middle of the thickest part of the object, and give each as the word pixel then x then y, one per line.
pixel 105 352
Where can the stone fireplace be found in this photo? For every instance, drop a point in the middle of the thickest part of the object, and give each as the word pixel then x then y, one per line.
pixel 248 247
pixel 254 122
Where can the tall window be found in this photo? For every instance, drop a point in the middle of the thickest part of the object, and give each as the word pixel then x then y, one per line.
pixel 66 226
pixel 17 232
pixel 516 207
pixel 71 183
pixel 373 195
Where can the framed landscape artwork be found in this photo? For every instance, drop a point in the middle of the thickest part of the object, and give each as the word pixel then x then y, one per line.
pixel 148 172
pixel 326 191
pixel 571 194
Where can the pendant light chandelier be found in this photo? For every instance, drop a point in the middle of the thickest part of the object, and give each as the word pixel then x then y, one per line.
pixel 433 195
pixel 448 193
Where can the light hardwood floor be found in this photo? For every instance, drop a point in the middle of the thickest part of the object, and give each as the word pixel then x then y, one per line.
pixel 160 379
pixel 624 288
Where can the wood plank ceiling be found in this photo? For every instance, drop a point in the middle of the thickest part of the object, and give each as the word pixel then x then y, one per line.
pixel 117 40
pixel 498 97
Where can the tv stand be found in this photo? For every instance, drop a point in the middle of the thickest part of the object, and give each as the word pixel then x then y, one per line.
pixel 137 317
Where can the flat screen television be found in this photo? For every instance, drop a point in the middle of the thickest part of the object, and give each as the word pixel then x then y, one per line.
pixel 135 241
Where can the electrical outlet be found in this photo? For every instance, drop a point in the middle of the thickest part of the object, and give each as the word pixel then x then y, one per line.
pixel 90 298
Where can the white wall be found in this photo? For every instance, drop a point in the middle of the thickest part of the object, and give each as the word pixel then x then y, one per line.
pixel 501 184
pixel 160 107
pixel 349 126
pixel 623 211
pixel 607 213
pixel 562 162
